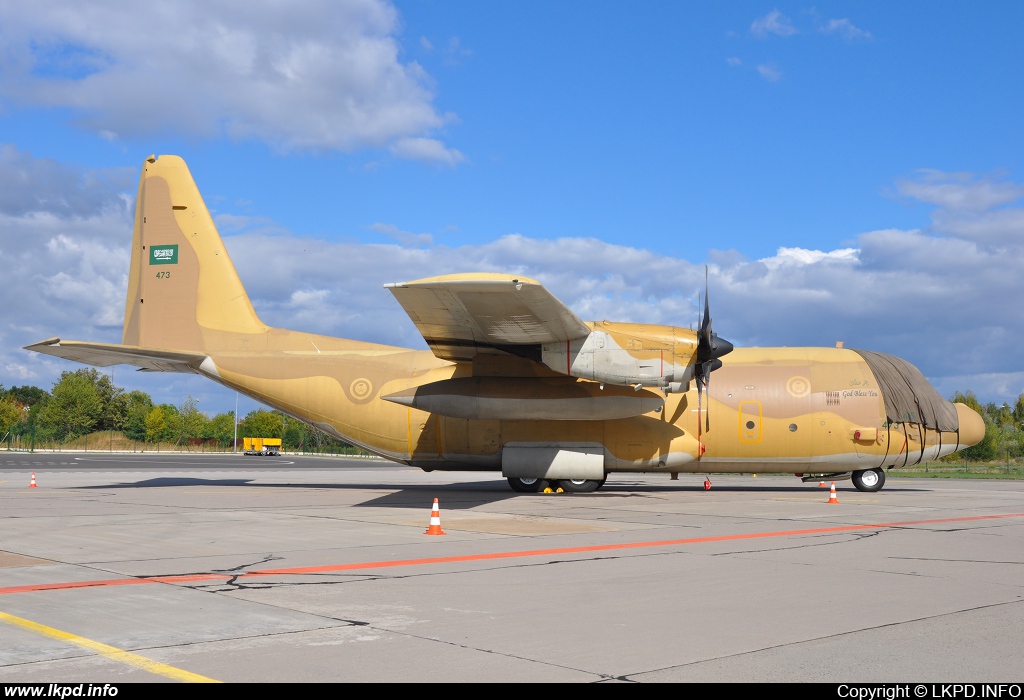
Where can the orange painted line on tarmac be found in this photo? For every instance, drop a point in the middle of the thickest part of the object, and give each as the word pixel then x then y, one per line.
pixel 610 547
pixel 488 556
pixel 103 583
pixel 71 584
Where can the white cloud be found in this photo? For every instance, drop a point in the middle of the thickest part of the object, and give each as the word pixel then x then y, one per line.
pixel 789 257
pixel 959 192
pixel 64 255
pixel 408 240
pixel 454 52
pixel 326 77
pixel 769 73
pixel 981 209
pixel 846 29
pixel 40 185
pixel 17 371
pixel 773 23
pixel 734 61
pixel 229 223
pixel 943 298
pixel 430 150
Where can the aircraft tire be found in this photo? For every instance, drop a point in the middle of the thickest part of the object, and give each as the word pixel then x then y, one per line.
pixel 580 485
pixel 524 485
pixel 869 479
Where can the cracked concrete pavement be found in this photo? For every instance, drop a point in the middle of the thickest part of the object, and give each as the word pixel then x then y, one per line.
pixel 259 579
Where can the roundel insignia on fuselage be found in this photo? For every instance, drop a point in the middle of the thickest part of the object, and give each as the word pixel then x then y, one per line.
pixel 798 386
pixel 360 390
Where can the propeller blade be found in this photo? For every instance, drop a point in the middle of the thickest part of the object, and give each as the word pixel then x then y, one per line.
pixel 700 442
pixel 707 393
pixel 707 305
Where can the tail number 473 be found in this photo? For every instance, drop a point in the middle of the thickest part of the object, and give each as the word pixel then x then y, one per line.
pixel 163 275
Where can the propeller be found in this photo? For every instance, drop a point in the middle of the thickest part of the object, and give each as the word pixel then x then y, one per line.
pixel 709 348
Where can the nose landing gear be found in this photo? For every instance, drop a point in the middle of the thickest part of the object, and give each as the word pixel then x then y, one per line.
pixel 868 479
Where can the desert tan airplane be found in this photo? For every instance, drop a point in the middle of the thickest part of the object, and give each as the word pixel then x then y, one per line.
pixel 514 380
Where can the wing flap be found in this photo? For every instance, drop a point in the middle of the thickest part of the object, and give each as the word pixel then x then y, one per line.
pixel 461 316
pixel 107 354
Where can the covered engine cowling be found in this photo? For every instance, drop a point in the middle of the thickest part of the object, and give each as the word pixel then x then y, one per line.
pixel 627 354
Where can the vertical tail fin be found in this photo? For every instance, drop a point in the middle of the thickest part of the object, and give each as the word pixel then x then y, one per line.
pixel 182 283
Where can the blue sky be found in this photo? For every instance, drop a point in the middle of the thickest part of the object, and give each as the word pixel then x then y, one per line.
pixel 850 171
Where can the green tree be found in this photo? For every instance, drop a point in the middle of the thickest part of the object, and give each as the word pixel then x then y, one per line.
pixel 26 395
pixel 294 433
pixel 75 406
pixel 33 425
pixel 1003 415
pixel 1018 412
pixel 1009 442
pixel 969 399
pixel 193 421
pixel 156 424
pixel 137 405
pixel 172 419
pixel 988 448
pixel 11 414
pixel 261 423
pixel 114 407
pixel 221 427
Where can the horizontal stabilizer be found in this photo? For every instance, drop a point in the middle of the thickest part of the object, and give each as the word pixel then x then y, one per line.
pixel 463 315
pixel 106 354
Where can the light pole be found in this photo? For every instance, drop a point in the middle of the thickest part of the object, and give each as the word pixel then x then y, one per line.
pixel 111 422
pixel 234 443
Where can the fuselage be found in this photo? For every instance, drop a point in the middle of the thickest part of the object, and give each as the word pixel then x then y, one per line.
pixel 766 409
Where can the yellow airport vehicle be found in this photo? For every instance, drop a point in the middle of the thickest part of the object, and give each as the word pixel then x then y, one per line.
pixel 261 446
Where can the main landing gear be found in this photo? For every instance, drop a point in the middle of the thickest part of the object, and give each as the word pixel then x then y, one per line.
pixel 529 485
pixel 868 479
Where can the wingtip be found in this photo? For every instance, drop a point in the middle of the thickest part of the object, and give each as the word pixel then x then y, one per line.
pixel 43 343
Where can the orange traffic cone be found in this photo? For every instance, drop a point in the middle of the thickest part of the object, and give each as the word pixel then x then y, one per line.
pixel 832 494
pixel 821 484
pixel 32 482
pixel 435 521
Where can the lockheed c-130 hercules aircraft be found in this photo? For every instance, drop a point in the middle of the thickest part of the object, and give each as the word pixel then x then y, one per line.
pixel 514 380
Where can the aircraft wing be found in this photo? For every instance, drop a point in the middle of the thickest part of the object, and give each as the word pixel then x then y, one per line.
pixel 106 354
pixel 461 316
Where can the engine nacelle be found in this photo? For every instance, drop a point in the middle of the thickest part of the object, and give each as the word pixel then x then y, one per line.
pixel 627 354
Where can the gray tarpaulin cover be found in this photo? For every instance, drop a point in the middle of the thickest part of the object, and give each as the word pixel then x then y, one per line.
pixel 909 398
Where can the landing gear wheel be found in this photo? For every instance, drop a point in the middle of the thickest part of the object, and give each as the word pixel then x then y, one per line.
pixel 580 485
pixel 526 485
pixel 869 479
